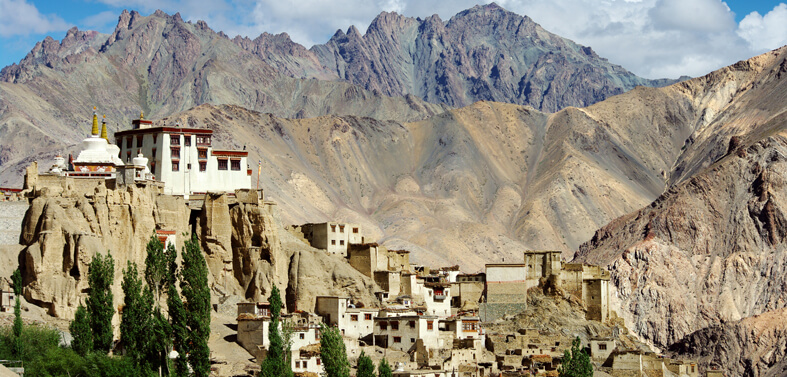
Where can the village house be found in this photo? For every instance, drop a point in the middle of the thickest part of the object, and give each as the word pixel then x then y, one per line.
pixel 601 348
pixel 401 332
pixel 334 237
pixel 468 290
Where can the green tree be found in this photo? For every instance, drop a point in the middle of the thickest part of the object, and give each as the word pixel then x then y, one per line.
pixel 333 352
pixel 194 287
pixel 82 341
pixel 136 325
pixel 156 267
pixel 177 315
pixel 16 277
pixel 277 360
pixel 384 369
pixel 365 366
pixel 101 275
pixel 576 362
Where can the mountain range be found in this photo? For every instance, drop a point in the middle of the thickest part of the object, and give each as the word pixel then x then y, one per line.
pixel 466 142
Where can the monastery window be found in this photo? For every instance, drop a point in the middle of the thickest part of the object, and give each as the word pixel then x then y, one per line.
pixel 317 337
pixel 128 142
pixel 333 228
pixel 394 325
pixel 341 228
pixel 155 137
pixel 319 361
pixel 305 364
pixel 342 332
pixel 153 167
pixel 203 165
pixel 430 325
pixel 341 242
pixel 174 139
pixel 175 152
pixel 187 140
pixel 154 153
pixel 397 339
pixel 333 242
pixel 235 164
pixel 297 364
pixel 383 325
pixel 203 140
pixel 354 317
pixel 355 230
pixel 139 140
pixel 412 340
pixel 301 336
pixel 222 164
pixel 175 165
pixel 411 324
pixel 128 156
pixel 202 153
pixel 367 316
pixel 602 346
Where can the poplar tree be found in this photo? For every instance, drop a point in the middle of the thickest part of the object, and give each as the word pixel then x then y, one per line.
pixel 82 337
pixel 277 360
pixel 384 369
pixel 576 362
pixel 156 267
pixel 16 277
pixel 333 353
pixel 157 277
pixel 101 275
pixel 365 366
pixel 136 324
pixel 194 287
pixel 177 315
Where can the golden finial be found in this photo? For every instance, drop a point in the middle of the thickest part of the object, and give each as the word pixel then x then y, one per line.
pixel 141 115
pixel 104 129
pixel 94 131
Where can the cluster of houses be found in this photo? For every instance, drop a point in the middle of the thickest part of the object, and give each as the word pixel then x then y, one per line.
pixel 434 316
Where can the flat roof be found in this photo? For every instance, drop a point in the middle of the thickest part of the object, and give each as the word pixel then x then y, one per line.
pixel 505 265
pixel 163 129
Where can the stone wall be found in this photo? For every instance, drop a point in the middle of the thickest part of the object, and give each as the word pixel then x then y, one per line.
pixel 11 215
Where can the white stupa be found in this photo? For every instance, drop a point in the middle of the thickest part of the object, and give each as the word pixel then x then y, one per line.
pixel 97 155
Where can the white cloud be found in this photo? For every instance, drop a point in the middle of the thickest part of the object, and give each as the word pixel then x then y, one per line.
pixel 100 20
pixel 696 15
pixel 18 17
pixel 765 32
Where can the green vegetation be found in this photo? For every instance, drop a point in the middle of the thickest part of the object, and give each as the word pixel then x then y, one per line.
pixel 576 362
pixel 82 337
pixel 194 286
pixel 17 281
pixel 101 274
pixel 365 366
pixel 333 353
pixel 277 361
pixel 384 369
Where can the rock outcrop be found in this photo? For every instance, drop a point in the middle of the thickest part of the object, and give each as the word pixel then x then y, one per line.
pixel 70 220
pixel 754 346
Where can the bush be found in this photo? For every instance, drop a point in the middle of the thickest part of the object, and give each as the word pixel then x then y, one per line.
pixel 36 341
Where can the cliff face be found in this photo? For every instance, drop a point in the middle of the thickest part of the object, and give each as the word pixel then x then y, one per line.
pixel 483 53
pixel 754 346
pixel 246 249
pixel 709 251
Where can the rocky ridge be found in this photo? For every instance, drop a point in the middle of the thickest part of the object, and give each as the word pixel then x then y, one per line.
pixel 247 250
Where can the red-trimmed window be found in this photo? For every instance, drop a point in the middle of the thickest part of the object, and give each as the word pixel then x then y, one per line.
pixel 139 140
pixel 203 166
pixel 222 164
pixel 186 140
pixel 174 139
pixel 175 165
pixel 235 164
pixel 175 152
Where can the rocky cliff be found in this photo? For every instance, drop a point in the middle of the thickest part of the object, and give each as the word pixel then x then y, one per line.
pixel 709 251
pixel 483 53
pixel 246 248
pixel 754 346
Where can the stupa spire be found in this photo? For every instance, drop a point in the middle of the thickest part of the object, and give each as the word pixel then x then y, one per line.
pixel 104 129
pixel 94 131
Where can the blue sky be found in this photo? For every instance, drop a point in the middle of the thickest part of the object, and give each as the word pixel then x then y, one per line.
pixel 652 38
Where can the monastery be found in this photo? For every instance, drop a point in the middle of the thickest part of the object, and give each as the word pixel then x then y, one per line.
pixel 182 159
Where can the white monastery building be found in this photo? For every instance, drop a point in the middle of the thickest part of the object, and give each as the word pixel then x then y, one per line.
pixel 184 159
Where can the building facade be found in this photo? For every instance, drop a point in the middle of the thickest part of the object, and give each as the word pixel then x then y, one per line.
pixel 184 159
